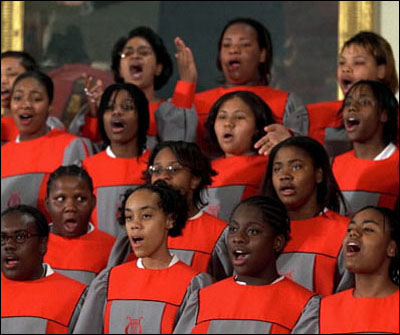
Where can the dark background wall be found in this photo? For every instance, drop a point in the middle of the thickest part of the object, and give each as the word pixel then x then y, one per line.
pixel 304 35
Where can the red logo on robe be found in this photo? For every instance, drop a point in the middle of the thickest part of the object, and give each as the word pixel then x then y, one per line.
pixel 134 326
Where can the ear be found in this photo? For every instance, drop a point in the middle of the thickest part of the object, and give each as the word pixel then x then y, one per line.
pixel 195 182
pixel 47 204
pixel 94 202
pixel 43 245
pixel 383 117
pixel 279 243
pixel 170 223
pixel 319 175
pixel 381 71
pixel 263 56
pixel 391 249
pixel 159 69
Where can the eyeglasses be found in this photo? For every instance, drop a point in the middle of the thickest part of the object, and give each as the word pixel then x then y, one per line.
pixel 170 170
pixel 141 51
pixel 19 238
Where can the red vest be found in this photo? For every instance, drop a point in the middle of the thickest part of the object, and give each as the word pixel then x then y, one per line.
pixel 310 256
pixel 279 304
pixel 323 115
pixel 166 286
pixel 51 298
pixel 342 313
pixel 367 182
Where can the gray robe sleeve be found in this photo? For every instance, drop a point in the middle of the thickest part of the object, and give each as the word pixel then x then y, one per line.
pixel 79 120
pixel 220 265
pixel 344 279
pixel 91 317
pixel 187 314
pixel 176 124
pixel 77 311
pixel 296 116
pixel 309 320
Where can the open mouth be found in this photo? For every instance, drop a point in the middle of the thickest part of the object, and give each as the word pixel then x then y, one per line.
pixel 5 94
pixel 352 123
pixel 352 248
pixel 117 126
pixel 346 85
pixel 287 190
pixel 227 137
pixel 70 225
pixel 136 70
pixel 11 262
pixel 136 241
pixel 234 65
pixel 25 119
pixel 239 257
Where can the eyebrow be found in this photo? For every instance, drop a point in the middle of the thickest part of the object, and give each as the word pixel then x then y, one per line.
pixel 141 208
pixel 366 222
pixel 291 161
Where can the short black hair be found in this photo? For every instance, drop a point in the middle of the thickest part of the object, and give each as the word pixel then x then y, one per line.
pixel 262 113
pixel 162 55
pixel 27 61
pixel 189 155
pixel 41 77
pixel 72 171
pixel 273 210
pixel 328 191
pixel 171 201
pixel 264 42
pixel 40 220
pixel 386 102
pixel 141 106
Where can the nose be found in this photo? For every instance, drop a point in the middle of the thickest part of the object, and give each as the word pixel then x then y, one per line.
pixel 26 103
pixel 285 173
pixel 240 237
pixel 234 48
pixel 70 205
pixel 355 232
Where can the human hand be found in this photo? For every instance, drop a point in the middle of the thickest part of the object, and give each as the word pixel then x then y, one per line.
pixel 93 90
pixel 275 133
pixel 186 65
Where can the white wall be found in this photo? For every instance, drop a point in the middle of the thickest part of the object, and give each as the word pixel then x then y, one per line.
pixel 388 26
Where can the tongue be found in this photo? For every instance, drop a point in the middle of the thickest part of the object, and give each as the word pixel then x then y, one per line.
pixel 70 226
pixel 234 66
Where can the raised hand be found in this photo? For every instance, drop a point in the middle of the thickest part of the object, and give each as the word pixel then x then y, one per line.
pixel 186 65
pixel 93 90
pixel 275 133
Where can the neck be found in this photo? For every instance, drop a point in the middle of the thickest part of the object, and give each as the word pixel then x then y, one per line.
pixel 266 278
pixel 306 211
pixel 157 263
pixel 374 286
pixel 27 137
pixel 368 150
pixel 125 150
pixel 150 94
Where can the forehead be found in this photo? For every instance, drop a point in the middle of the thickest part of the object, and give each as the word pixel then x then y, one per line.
pixel 360 90
pixel 292 153
pixel 70 182
pixel 11 63
pixel 165 155
pixel 355 50
pixel 30 84
pixel 17 221
pixel 120 95
pixel 369 214
pixel 234 104
pixel 142 198
pixel 137 41
pixel 240 29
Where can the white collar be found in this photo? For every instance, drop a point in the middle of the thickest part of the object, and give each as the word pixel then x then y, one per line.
pixel 196 216
pixel 48 269
pixel 386 153
pixel 174 260
pixel 110 153
pixel 244 283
